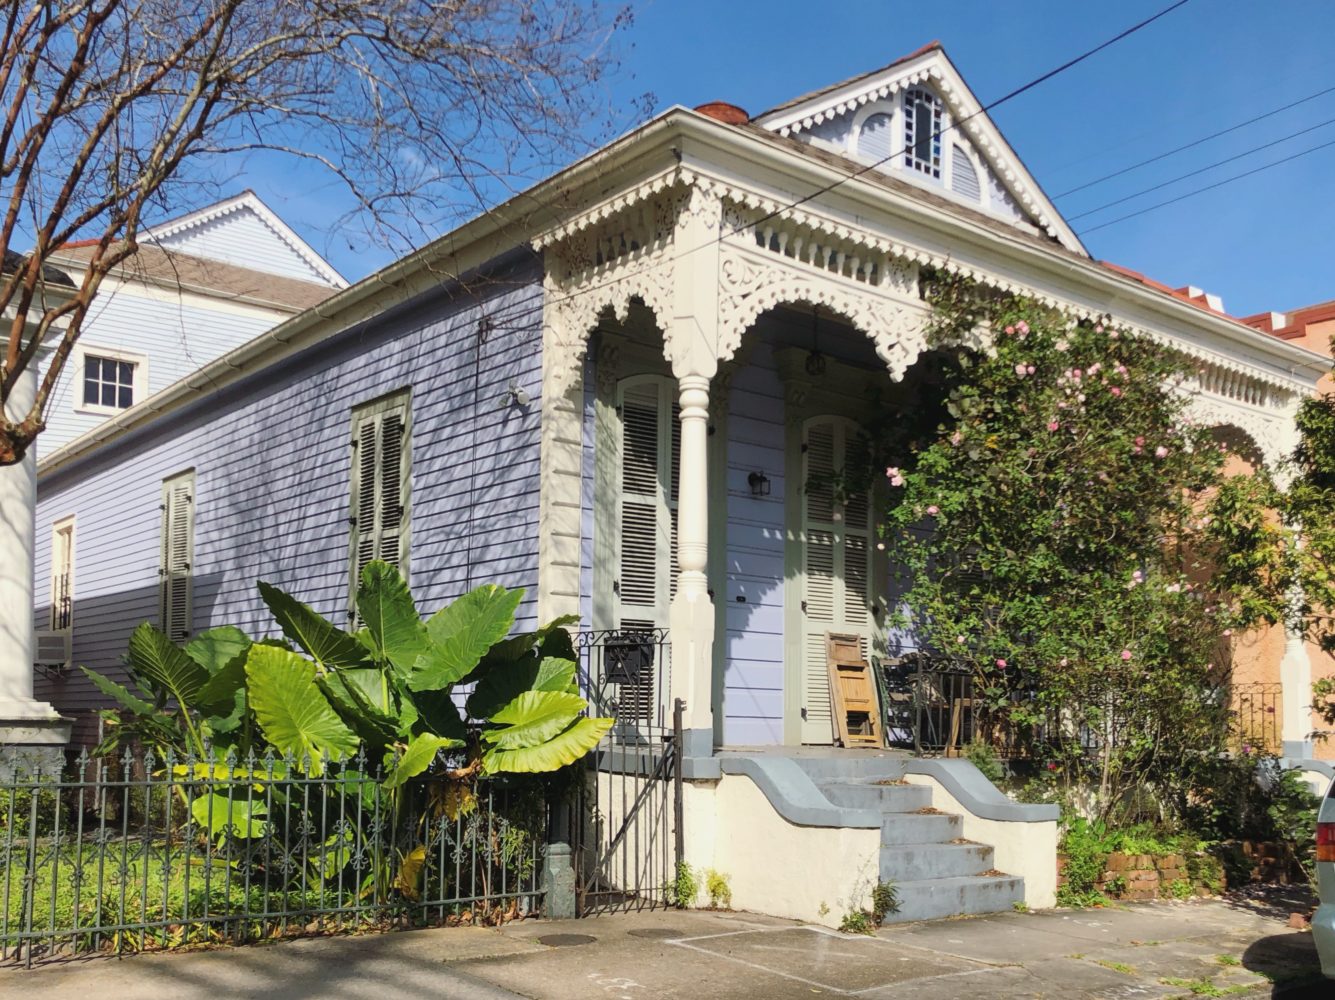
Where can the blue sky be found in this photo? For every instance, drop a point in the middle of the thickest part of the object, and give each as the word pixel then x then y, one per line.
pixel 1264 242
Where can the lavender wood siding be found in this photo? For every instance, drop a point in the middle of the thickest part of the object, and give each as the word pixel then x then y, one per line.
pixel 271 459
pixel 753 602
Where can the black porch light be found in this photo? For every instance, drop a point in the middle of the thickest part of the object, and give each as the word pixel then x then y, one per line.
pixel 759 483
pixel 815 363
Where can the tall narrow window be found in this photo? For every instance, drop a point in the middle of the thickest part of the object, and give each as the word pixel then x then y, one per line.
pixel 178 554
pixel 62 575
pixel 922 131
pixel 380 487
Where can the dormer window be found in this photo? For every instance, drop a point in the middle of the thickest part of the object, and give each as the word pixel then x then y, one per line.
pixel 922 131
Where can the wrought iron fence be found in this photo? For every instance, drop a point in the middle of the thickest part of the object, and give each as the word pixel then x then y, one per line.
pixel 1256 715
pixel 135 853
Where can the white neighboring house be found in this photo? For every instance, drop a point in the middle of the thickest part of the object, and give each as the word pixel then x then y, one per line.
pixel 200 285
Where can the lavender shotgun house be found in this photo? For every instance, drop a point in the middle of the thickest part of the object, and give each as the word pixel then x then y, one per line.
pixel 604 392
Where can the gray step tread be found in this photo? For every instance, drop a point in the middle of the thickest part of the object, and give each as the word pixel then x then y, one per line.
pixel 928 899
pixel 934 861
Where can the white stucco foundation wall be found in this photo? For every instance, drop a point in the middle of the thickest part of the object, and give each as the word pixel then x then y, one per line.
pixel 1026 849
pixel 774 866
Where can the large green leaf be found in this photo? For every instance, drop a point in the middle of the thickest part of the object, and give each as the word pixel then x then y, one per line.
pixel 418 757
pixel 461 634
pixel 499 684
pixel 118 693
pixel 440 714
pixel 216 649
pixel 292 711
pixel 348 696
pixel 394 628
pixel 165 666
pixel 237 817
pixel 323 642
pixel 532 718
pixel 565 748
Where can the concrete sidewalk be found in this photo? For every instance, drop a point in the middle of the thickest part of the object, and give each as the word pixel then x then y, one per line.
pixel 1200 947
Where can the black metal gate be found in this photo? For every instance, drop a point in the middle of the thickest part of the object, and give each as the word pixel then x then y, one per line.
pixel 626 830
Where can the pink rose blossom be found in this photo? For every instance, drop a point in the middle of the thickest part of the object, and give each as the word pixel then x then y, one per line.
pixel 1161 452
pixel 959 639
pixel 1115 391
pixel 1001 664
pixel 1227 632
pixel 956 438
pixel 933 510
pixel 1019 370
pixel 1126 654
pixel 1063 662
pixel 1022 326
pixel 1112 334
pixel 1029 369
pixel 1053 425
pixel 1010 329
pixel 1098 327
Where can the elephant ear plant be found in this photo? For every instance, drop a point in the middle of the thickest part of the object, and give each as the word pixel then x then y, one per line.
pixel 386 692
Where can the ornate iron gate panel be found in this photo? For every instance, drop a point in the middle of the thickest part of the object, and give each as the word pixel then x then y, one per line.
pixel 626 830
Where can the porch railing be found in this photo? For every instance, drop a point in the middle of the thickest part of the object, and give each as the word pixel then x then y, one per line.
pixel 138 853
pixel 1256 715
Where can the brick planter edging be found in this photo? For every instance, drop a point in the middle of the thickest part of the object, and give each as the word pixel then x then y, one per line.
pixel 1138 877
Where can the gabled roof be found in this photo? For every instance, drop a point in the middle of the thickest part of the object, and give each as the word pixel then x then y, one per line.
pixel 247 201
pixel 930 64
pixel 212 277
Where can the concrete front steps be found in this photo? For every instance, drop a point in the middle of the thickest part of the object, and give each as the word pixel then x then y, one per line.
pixel 936 873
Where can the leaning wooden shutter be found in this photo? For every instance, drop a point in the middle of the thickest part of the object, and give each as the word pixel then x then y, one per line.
pixel 178 521
pixel 364 494
pixel 637 577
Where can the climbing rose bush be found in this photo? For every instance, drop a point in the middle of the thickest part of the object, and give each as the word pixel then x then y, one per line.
pixel 1068 535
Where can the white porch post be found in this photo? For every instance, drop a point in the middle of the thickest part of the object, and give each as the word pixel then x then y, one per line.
pixel 692 341
pixel 24 721
pixel 692 614
pixel 1295 679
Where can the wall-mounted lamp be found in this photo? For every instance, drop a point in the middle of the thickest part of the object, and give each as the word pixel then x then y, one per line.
pixel 514 395
pixel 759 483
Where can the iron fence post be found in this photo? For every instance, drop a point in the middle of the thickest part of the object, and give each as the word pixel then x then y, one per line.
pixel 679 832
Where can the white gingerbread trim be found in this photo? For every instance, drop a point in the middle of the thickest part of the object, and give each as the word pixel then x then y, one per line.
pixel 935 69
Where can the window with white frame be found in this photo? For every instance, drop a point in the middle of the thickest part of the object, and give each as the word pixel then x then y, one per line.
pixel 177 555
pixel 62 575
pixel 108 380
pixel 922 131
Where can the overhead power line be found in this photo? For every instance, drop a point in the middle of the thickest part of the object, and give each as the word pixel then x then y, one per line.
pixel 1194 143
pixel 1200 170
pixel 1208 187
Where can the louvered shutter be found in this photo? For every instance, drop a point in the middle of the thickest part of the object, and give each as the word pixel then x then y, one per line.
pixel 379 485
pixel 177 555
pixel 646 562
pixel 836 564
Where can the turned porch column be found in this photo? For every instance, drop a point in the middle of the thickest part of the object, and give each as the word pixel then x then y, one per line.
pixel 1295 679
pixel 692 614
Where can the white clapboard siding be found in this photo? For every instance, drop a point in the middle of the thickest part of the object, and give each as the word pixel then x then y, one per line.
pixel 242 237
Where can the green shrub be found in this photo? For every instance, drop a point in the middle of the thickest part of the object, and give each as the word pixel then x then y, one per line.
pixel 884 901
pixel 981 755
pixel 718 890
pixel 857 922
pixel 680 891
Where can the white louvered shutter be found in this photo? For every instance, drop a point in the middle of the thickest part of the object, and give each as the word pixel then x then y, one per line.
pixel 177 554
pixel 380 480
pixel 836 565
pixel 646 556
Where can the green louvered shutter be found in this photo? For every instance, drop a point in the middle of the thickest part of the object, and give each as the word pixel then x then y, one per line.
pixel 381 470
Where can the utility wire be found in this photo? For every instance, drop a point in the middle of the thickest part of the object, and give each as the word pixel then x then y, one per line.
pixel 1208 187
pixel 1201 170
pixel 556 300
pixel 1193 144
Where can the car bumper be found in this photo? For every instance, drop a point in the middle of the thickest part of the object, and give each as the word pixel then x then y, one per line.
pixel 1323 933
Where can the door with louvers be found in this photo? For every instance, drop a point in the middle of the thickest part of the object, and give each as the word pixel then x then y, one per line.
pixel 836 543
pixel 645 557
